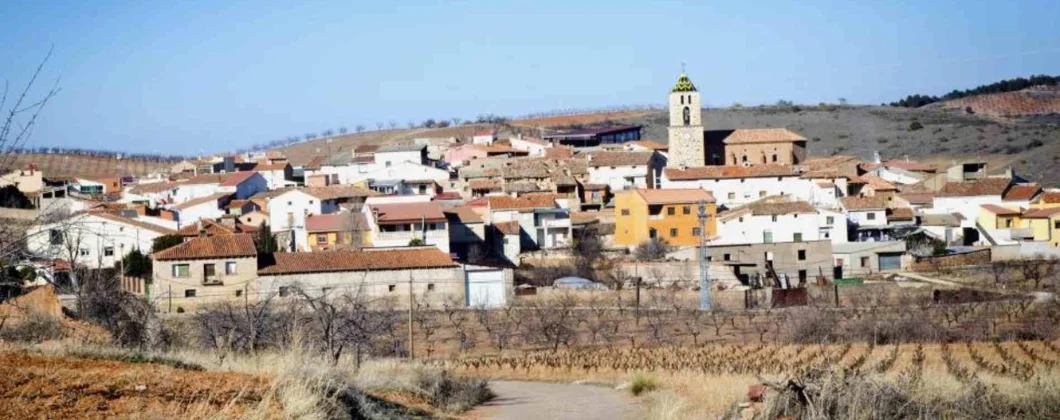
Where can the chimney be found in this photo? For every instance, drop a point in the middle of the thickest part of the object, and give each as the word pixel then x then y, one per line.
pixel 202 230
pixel 876 157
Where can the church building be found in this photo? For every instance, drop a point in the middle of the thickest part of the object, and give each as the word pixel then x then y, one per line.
pixel 692 146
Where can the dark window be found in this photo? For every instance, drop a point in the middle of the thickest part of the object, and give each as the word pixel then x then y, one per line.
pixel 108 251
pixel 871 216
pixel 392 287
pixel 864 261
pixel 430 287
pixel 625 212
pixel 802 255
pixel 695 231
pixel 284 291
pixel 673 232
pixel 670 211
pixel 55 237
pixel 726 257
pixel 239 292
pixel 798 238
pixel 189 293
pixel 687 210
pixel 774 157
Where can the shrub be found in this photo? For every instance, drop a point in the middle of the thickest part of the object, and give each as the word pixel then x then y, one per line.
pixel 35 328
pixel 915 125
pixel 433 383
pixel 642 384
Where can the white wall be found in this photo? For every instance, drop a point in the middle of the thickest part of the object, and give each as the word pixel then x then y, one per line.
pixel 752 229
pixel 189 192
pixel 616 177
pixel 836 231
pixel 207 210
pixel 250 186
pixel 861 217
pixel 746 190
pixel 297 203
pixel 92 234
pixel 448 283
pixel 396 158
pixel 968 207
pixel 532 148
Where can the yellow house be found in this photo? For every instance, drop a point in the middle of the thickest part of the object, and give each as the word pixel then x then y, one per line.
pixel 1044 224
pixel 1048 200
pixel 338 231
pixel 670 215
pixel 992 216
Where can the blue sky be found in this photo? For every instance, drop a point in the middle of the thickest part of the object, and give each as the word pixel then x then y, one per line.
pixel 188 76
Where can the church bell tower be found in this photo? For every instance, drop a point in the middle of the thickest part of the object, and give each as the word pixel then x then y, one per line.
pixel 686 125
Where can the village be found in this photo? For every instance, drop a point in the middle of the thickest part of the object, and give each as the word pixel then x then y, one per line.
pixel 470 219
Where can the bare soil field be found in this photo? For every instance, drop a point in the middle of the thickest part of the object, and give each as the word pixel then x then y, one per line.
pixel 578 119
pixel 1042 100
pixel 78 165
pixel 40 386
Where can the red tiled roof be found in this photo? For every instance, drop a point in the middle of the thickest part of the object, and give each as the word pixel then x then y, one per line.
pixel 901 213
pixel 336 222
pixel 651 145
pixel 863 203
pixel 462 214
pixel 212 228
pixel 878 184
pixel 484 184
pixel 762 135
pixel 910 166
pixel 1041 213
pixel 408 212
pixel 918 198
pixel 598 159
pixel 279 166
pixel 536 201
pixel 675 196
pixel 1021 192
pixel 985 186
pixel 448 195
pixel 1050 197
pixel 221 246
pixel 361 260
pixel 1000 211
pixel 227 180
pixel 721 172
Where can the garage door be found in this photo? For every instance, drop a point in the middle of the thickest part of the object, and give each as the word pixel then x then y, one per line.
pixel 890 261
pixel 485 288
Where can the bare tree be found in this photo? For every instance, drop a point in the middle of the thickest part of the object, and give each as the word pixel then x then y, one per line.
pixel 359 128
pixel 1001 270
pixel 553 323
pixel 1038 269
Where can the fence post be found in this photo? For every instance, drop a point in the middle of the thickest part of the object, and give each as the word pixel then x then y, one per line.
pixel 835 289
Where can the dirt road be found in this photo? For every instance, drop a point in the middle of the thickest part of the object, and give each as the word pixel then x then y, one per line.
pixel 539 400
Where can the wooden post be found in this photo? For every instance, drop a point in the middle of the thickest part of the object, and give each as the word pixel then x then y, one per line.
pixel 171 298
pixel 412 342
pixel 835 289
pixel 636 304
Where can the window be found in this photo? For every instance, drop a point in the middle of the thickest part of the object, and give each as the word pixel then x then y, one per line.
pixel 108 251
pixel 767 237
pixel 839 262
pixel 189 293
pixel 798 237
pixel 870 216
pixel 430 287
pixel 695 231
pixel 180 270
pixel 325 290
pixel 83 252
pixel 686 210
pixel 284 291
pixel 1056 224
pixel 230 268
pixel 670 211
pixel 774 218
pixel 802 255
pixel 830 220
pixel 392 287
pixel 625 212
pixel 762 193
pixel 388 164
pixel 209 271
pixel 322 239
pixel 673 232
pixel 732 196
pixel 55 237
pixel 774 157
pixel 239 292
pixel 864 261
pixel 802 277
pixel 726 257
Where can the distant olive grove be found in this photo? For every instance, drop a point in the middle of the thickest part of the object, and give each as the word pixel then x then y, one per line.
pixel 1010 85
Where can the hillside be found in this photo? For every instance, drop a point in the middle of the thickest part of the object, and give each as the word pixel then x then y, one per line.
pixel 302 153
pixel 83 165
pixel 1030 102
pixel 1031 146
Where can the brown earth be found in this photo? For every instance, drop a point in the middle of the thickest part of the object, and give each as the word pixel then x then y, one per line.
pixel 40 386
pixel 577 119
pixel 54 165
pixel 1042 100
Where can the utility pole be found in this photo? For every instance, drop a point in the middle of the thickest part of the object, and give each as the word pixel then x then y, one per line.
pixel 704 263
pixel 412 342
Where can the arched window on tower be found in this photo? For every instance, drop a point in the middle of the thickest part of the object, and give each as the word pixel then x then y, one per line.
pixel 774 157
pixel 682 99
pixel 687 116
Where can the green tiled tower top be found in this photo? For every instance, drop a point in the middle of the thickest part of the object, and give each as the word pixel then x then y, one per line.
pixel 684 84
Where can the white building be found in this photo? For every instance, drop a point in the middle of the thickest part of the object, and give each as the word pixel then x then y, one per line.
pixel 544 219
pixel 486 137
pixel 965 198
pixel 277 175
pixel 93 239
pixel 734 186
pixel 776 219
pixel 242 185
pixel 290 208
pixel 209 208
pixel 398 221
pixel 625 170
pixel 865 211
pixel 533 146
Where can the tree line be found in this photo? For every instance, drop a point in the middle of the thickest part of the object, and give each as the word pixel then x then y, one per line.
pixel 1008 85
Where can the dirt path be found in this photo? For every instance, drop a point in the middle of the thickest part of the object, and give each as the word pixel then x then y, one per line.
pixel 540 400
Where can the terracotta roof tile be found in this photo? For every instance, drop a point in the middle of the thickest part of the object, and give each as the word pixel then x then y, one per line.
pixel 221 246
pixel 675 196
pixel 985 186
pixel 133 222
pixel 484 184
pixel 762 135
pixel 1041 213
pixel 901 213
pixel 598 159
pixel 201 200
pixel 359 260
pixel 503 202
pixel 336 222
pixel 508 228
pixel 878 184
pixel 863 203
pixel 1050 197
pixel 1022 192
pixel 212 228
pixel 1000 211
pixel 918 198
pixel 333 192
pixel 227 180
pixel 407 212
pixel 462 214
pixel 153 188
pixel 650 145
pixel 910 166
pixel 723 172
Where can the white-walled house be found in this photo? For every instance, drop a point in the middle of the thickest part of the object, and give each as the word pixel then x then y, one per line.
pixel 544 219
pixel 394 154
pixel 535 147
pixel 833 224
pixel 622 170
pixel 209 207
pixel 865 211
pixel 242 185
pixel 485 137
pixel 93 239
pixel 277 175
pixel 965 198
pixel 290 208
pixel 774 219
pixel 396 223
pixel 733 186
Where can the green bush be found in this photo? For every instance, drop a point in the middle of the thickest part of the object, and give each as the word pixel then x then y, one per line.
pixel 642 384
